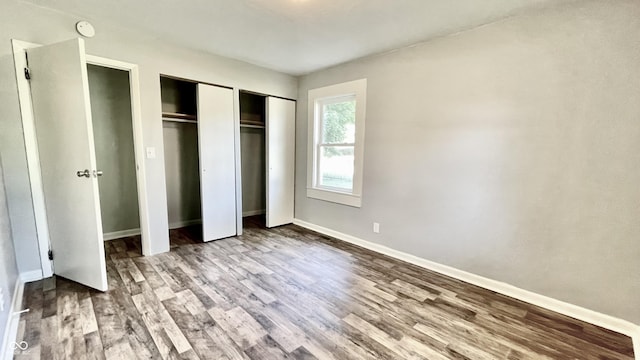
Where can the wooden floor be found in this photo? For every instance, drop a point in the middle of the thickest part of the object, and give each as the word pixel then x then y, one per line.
pixel 288 293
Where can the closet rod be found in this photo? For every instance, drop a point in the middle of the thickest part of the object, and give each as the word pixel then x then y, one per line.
pixel 180 120
pixel 252 126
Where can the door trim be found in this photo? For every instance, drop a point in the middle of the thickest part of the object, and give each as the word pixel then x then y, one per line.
pixel 31 148
pixel 33 160
pixel 238 149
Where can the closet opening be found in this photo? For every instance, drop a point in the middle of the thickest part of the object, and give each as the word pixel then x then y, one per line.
pixel 181 158
pixel 253 158
pixel 112 121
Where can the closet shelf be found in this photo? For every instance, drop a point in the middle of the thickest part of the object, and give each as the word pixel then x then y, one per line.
pixel 252 123
pixel 251 126
pixel 179 120
pixel 180 116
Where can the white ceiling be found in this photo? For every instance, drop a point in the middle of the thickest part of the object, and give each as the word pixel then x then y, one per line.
pixel 294 36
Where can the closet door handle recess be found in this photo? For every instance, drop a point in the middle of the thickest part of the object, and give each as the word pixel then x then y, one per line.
pixel 97 173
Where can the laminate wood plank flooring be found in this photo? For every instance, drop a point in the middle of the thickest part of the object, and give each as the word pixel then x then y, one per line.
pixel 289 293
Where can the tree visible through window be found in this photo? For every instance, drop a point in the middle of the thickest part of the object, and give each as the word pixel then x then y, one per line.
pixel 336 149
pixel 336 142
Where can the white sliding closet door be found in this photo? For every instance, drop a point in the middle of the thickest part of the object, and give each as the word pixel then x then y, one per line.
pixel 216 138
pixel 281 138
pixel 64 132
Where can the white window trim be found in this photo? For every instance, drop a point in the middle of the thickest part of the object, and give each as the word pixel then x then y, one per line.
pixel 359 89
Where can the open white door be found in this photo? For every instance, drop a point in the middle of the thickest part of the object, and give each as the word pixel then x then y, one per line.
pixel 62 114
pixel 217 162
pixel 281 138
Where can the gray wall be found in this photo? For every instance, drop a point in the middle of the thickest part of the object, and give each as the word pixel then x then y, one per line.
pixel 113 135
pixel 182 173
pixel 253 170
pixel 8 268
pixel 511 151
pixel 32 23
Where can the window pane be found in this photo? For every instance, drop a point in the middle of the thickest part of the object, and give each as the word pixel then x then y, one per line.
pixel 339 122
pixel 336 167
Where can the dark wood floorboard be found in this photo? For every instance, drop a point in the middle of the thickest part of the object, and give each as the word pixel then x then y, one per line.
pixel 289 293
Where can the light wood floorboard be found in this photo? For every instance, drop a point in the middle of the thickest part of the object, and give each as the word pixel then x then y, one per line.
pixel 289 293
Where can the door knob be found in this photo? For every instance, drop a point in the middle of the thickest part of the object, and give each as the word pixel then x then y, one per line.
pixel 85 173
pixel 97 173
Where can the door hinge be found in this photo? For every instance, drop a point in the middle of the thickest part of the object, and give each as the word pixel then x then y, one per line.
pixel 50 253
pixel 27 73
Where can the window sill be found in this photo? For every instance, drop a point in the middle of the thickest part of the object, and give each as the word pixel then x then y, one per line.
pixel 335 197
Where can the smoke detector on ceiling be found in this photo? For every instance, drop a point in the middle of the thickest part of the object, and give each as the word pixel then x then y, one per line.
pixel 85 29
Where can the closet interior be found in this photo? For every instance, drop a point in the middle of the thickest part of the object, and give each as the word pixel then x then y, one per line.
pixel 200 157
pixel 115 157
pixel 253 155
pixel 199 152
pixel 180 134
pixel 267 142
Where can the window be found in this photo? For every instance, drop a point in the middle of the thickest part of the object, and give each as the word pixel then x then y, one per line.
pixel 336 142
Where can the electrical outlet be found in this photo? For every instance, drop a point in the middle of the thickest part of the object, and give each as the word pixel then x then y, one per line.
pixel 1 300
pixel 376 227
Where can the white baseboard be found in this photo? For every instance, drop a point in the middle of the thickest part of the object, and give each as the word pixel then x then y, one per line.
pixel 120 234
pixel 11 329
pixel 253 212
pixel 179 224
pixel 30 276
pixel 606 321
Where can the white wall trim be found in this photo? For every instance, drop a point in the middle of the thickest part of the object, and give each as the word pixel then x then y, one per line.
pixel 606 321
pixel 254 212
pixel 120 234
pixel 11 328
pixel 238 154
pixel 180 224
pixel 31 149
pixel 30 276
pixel 334 196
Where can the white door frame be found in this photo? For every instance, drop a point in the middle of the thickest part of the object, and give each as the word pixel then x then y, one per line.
pixel 238 148
pixel 33 159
